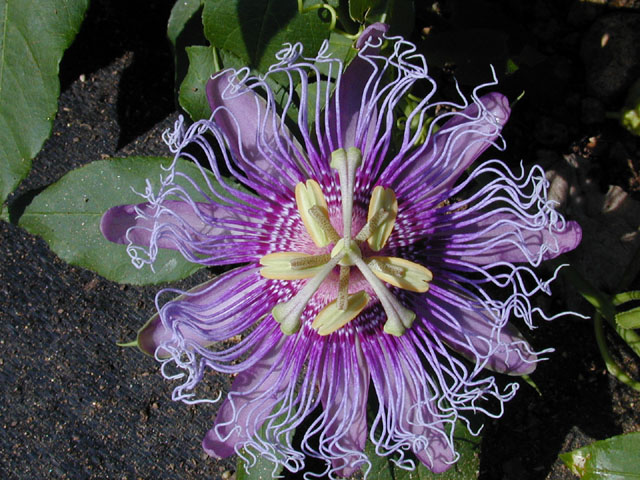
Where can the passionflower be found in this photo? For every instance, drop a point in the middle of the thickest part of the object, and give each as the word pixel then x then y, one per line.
pixel 369 261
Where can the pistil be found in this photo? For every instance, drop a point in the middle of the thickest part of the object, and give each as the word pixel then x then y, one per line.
pixel 346 162
pixel 345 253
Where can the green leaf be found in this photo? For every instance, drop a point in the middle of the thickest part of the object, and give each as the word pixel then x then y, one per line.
pixel 263 468
pixel 255 30
pixel 339 47
pixel 467 467
pixel 359 8
pixel 616 458
pixel 398 14
pixel 67 215
pixel 629 319
pixel 184 29
pixel 630 113
pixel 35 33
pixel 193 95
pixel 380 466
pixel 280 91
pixel 202 64
pixel 181 13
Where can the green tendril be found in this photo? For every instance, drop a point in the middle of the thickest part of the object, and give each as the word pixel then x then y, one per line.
pixel 350 36
pixel 318 6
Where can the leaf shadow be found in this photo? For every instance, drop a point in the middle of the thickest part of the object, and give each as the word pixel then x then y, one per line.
pixel 117 28
pixel 20 202
pixel 260 21
pixel 575 400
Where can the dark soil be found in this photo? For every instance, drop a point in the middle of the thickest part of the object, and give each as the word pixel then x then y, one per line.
pixel 77 406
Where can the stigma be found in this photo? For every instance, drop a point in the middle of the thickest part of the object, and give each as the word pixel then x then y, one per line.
pixel 344 253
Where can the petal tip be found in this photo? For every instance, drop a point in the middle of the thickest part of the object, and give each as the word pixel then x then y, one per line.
pixel 498 105
pixel 216 85
pixel 216 448
pixel 372 33
pixel 116 221
pixel 571 238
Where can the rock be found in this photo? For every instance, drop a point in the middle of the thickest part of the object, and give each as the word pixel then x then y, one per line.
pixel 592 111
pixel 611 54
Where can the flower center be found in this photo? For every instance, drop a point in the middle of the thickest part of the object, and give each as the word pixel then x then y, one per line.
pixel 345 254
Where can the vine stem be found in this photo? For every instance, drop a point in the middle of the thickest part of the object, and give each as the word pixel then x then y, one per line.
pixel 612 367
pixel 605 307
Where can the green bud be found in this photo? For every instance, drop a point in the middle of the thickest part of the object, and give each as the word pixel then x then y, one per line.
pixel 630 113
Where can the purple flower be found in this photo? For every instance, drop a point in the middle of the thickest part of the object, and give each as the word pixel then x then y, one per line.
pixel 365 260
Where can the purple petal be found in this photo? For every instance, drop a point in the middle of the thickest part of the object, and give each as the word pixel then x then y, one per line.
pixel 439 454
pixel 503 237
pixel 213 302
pixel 452 149
pixel 410 413
pixel 354 109
pixel 259 139
pixel 134 224
pixel 254 394
pixel 476 336
pixel 372 33
pixel 344 399
pixel 177 223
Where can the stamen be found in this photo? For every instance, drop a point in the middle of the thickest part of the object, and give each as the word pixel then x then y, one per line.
pixel 309 261
pixel 332 318
pixel 382 199
pixel 291 265
pixel 368 229
pixel 401 273
pixel 399 318
pixel 346 162
pixel 287 314
pixel 343 288
pixel 322 221
pixel 308 196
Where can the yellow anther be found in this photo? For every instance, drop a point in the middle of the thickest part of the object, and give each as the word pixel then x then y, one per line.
pixel 382 199
pixel 308 196
pixel 401 273
pixel 331 318
pixel 291 265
